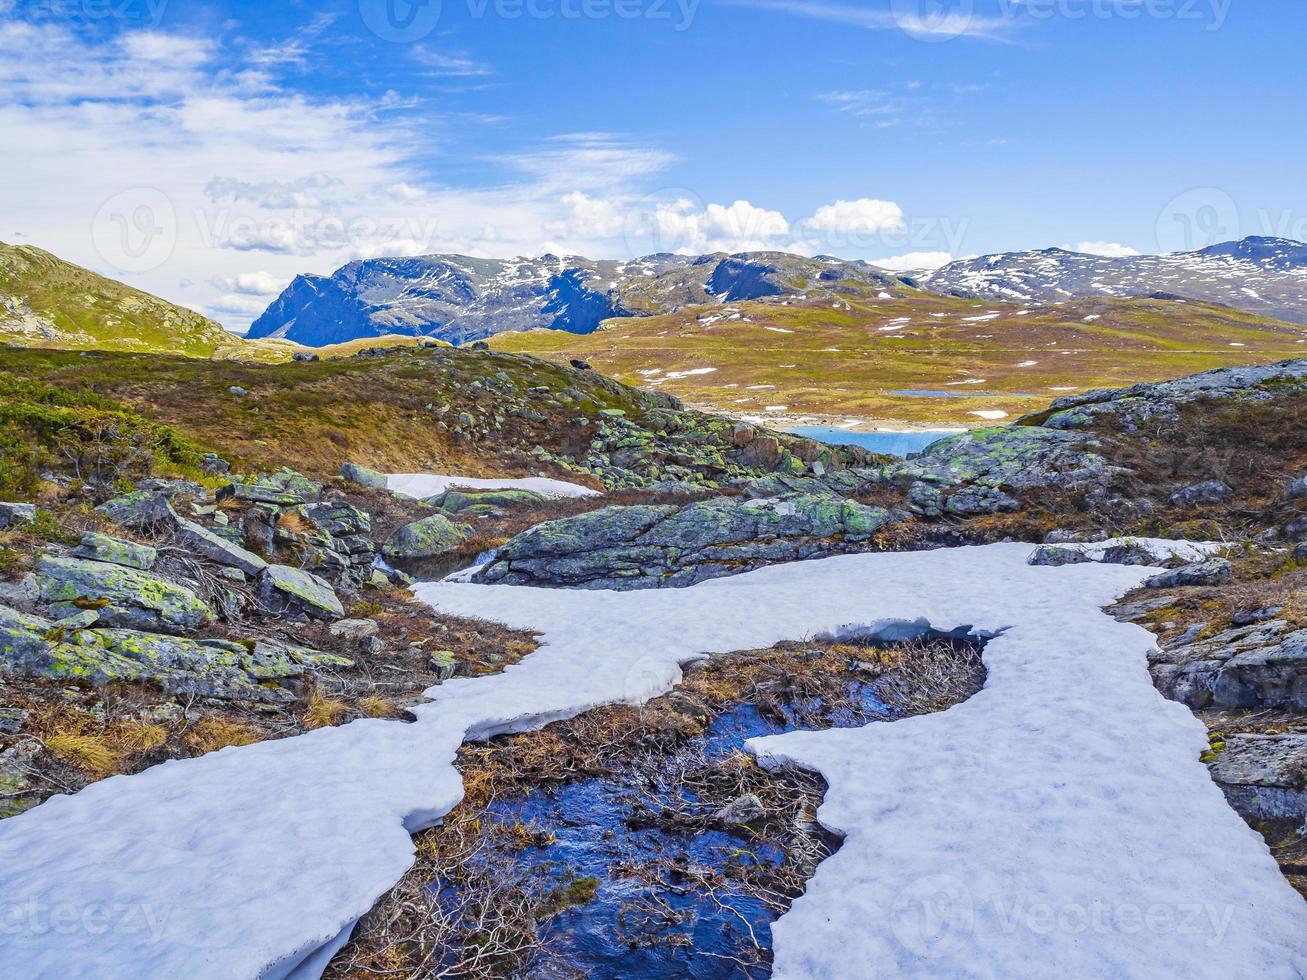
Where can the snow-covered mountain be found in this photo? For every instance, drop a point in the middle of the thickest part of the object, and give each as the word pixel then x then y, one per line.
pixel 1261 275
pixel 459 298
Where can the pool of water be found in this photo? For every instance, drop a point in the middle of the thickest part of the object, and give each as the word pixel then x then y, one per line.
pixel 933 393
pixel 888 443
pixel 650 926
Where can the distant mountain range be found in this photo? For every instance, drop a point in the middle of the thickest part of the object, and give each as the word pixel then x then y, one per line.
pixel 459 298
pixel 1267 276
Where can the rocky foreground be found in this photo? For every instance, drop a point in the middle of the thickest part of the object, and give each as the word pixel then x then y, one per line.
pixel 155 604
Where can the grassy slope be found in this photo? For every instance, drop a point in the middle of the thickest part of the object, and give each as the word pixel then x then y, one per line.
pixel 383 412
pixel 837 362
pixel 70 308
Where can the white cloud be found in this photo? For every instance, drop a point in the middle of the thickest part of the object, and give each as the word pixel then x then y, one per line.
pixel 589 217
pixel 912 19
pixel 681 226
pixel 452 64
pixel 1111 249
pixel 866 215
pixel 405 192
pixel 245 165
pixel 254 283
pixel 913 261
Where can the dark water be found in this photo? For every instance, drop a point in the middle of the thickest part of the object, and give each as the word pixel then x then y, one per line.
pixel 932 393
pixel 887 443
pixel 613 936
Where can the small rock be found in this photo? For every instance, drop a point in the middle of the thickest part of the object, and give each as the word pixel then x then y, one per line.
pixel 363 476
pixel 204 542
pixel 443 664
pixel 305 356
pixel 1297 488
pixel 215 465
pixel 238 391
pixel 12 720
pixel 580 365
pixel 1246 617
pixel 140 509
pixel 1206 492
pixel 426 538
pixel 742 810
pixel 81 620
pixel 116 551
pixel 285 589
pixel 1214 571
pixel 14 514
pixel 354 629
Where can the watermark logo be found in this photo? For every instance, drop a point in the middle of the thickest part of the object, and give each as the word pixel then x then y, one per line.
pixel 933 917
pixel 933 20
pixel 411 20
pixel 136 229
pixel 400 21
pixel 1198 218
pixel 135 13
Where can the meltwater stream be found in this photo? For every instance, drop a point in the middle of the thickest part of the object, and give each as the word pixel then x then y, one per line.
pixel 661 880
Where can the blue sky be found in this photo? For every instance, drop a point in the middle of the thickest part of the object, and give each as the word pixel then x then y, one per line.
pixel 208 152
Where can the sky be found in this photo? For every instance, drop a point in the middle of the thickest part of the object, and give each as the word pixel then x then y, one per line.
pixel 209 152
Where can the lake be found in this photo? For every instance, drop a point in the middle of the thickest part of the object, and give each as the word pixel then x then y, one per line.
pixel 889 443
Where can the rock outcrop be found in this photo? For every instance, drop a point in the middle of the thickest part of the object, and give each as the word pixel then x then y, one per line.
pixel 650 546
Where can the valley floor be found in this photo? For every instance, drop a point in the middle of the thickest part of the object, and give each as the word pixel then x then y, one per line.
pixel 1059 821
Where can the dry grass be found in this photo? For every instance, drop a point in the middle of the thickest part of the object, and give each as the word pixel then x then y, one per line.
pixel 91 752
pixel 212 733
pixel 323 711
pixel 375 706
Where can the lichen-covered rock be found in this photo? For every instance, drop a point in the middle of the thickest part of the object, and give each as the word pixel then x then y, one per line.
pixel 218 549
pixel 11 515
pixel 1130 408
pixel 427 538
pixel 123 596
pixel 1007 457
pixel 363 476
pixel 1264 776
pixel 283 590
pixel 116 551
pixel 285 488
pixel 650 546
pixel 253 670
pixel 140 509
pixel 17 763
pixel 460 501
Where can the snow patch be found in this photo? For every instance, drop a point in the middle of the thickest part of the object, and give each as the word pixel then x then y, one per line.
pixel 423 485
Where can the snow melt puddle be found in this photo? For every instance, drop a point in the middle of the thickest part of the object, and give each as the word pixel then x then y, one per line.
pixel 1067 786
pixel 660 883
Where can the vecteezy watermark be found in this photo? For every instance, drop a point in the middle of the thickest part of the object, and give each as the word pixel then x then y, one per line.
pixel 1196 219
pixel 304 231
pixel 944 20
pixel 136 13
pixel 38 919
pixel 938 915
pixel 1211 13
pixel 411 20
pixel 136 229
